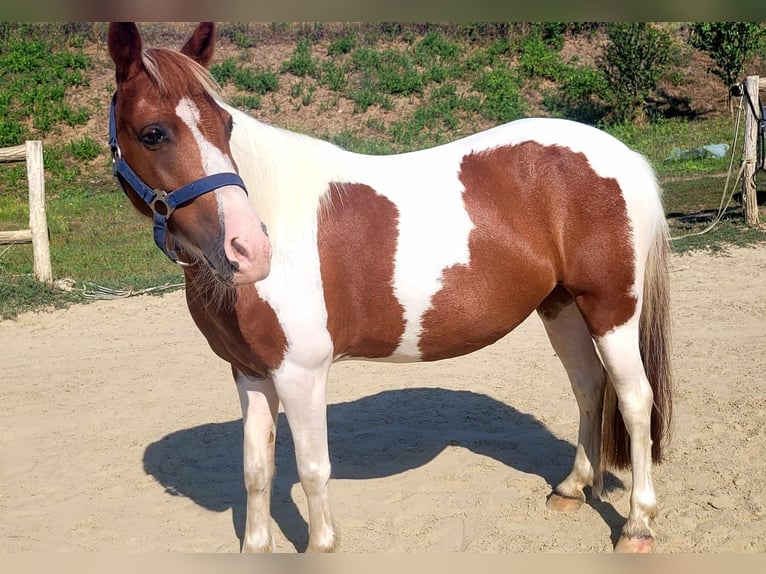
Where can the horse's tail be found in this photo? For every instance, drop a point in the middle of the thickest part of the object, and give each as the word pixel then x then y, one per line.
pixel 654 343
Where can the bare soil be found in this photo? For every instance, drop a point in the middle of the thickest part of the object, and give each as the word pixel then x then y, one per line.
pixel 121 431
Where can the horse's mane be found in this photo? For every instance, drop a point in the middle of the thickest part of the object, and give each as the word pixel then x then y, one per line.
pixel 169 71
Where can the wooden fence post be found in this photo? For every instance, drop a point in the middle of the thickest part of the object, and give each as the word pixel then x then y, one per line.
pixel 37 233
pixel 749 198
pixel 38 222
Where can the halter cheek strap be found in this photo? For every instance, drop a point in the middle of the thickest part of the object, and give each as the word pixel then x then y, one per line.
pixel 163 203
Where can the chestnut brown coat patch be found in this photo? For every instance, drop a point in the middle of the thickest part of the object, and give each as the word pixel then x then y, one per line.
pixel 533 229
pixel 246 333
pixel 357 241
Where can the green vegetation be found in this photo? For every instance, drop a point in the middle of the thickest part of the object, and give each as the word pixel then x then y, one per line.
pixel 729 44
pixel 34 76
pixel 246 79
pixel 301 63
pixel 401 86
pixel 634 60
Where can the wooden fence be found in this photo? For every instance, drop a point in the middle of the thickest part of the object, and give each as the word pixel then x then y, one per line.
pixel 753 118
pixel 37 234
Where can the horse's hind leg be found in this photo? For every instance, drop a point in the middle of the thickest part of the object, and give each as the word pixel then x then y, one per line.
pixel 259 414
pixel 573 344
pixel 619 348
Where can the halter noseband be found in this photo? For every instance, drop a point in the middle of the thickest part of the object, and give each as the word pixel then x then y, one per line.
pixel 163 203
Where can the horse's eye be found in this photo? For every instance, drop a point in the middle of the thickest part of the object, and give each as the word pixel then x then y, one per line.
pixel 230 125
pixel 153 136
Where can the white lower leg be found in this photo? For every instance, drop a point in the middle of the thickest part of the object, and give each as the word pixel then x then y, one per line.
pixel 303 394
pixel 619 349
pixel 260 405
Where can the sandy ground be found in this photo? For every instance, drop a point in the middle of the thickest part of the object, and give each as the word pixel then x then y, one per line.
pixel 120 431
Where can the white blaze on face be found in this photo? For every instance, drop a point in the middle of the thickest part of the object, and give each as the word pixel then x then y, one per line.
pixel 212 158
pixel 245 242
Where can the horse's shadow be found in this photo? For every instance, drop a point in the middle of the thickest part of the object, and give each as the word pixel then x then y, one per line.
pixel 372 437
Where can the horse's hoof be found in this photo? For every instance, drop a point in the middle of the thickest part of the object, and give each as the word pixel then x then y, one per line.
pixel 266 547
pixel 640 545
pixel 327 546
pixel 559 503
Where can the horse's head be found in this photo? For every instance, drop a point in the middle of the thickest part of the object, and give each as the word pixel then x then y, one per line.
pixel 170 139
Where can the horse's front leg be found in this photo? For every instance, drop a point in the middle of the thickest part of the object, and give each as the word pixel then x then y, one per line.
pixel 260 405
pixel 303 395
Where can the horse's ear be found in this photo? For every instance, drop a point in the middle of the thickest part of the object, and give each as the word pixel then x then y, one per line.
pixel 201 45
pixel 124 47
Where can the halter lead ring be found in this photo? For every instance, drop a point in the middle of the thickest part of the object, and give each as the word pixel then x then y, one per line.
pixel 162 203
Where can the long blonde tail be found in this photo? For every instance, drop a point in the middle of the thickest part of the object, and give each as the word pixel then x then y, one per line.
pixel 654 343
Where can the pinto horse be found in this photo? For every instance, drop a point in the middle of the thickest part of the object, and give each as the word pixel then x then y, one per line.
pixel 297 254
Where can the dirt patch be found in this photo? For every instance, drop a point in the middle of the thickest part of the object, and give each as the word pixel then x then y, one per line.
pixel 121 432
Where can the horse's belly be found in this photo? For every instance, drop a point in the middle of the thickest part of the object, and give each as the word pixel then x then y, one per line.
pixel 471 312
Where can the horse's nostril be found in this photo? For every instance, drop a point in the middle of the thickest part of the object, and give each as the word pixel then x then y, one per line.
pixel 239 248
pixel 265 229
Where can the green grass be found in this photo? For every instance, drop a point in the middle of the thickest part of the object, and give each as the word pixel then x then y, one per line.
pixel 99 237
pixel 96 238
pixel 25 293
pixel 695 194
pixel 727 234
pixel 452 77
pixel 692 203
pixel 35 75
pixel 658 139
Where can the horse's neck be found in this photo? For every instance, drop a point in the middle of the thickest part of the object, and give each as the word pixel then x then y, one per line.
pixel 286 173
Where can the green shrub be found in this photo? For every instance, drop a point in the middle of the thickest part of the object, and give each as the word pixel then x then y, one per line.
pixel 247 102
pixel 260 82
pixel 308 96
pixel 352 142
pixel 78 117
pixel 365 60
pixel 389 71
pixel 342 45
pixel 333 76
pixel 502 95
pixel 633 62
pixel 397 74
pixel 579 95
pixel 426 125
pixel 538 59
pixel 476 61
pixel 433 46
pixel 374 76
pixel 12 132
pixel 301 63
pixel 729 44
pixel 225 71
pixel 239 34
pixel 365 94
pixel 34 77
pixel 84 149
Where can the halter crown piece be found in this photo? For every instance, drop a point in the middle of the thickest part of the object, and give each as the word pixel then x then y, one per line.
pixel 163 203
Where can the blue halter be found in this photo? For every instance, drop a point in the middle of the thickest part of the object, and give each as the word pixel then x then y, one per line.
pixel 162 203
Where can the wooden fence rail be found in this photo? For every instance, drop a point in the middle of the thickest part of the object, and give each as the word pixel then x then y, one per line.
pixel 37 234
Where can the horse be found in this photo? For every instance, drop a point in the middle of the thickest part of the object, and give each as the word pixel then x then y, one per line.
pixel 297 253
